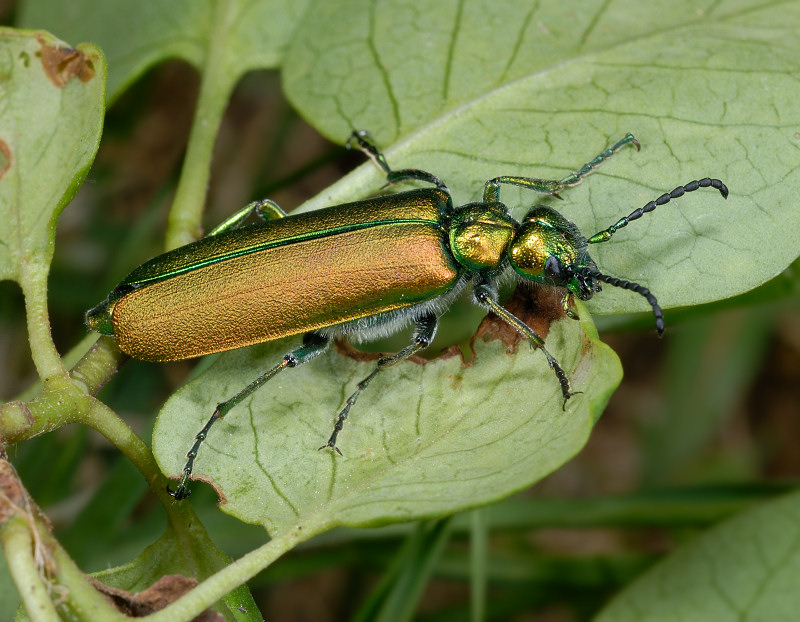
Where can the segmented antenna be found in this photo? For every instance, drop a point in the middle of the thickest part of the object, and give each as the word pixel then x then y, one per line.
pixel 634 287
pixel 605 234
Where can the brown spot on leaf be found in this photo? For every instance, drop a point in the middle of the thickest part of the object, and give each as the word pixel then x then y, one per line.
pixel 62 63
pixel 155 598
pixel 5 158
pixel 345 348
pixel 202 478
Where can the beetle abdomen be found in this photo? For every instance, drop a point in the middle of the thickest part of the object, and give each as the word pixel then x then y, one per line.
pixel 280 292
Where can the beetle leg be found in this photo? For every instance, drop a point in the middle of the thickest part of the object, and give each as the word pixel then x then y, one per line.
pixel 588 168
pixel 486 296
pixel 361 139
pixel 423 335
pixel 313 345
pixel 491 191
pixel 266 209
pixel 415 174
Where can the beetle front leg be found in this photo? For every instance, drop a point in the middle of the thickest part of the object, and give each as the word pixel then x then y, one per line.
pixel 423 336
pixel 491 191
pixel 486 297
pixel 314 344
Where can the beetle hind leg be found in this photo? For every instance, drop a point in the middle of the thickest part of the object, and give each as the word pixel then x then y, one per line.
pixel 423 336
pixel 362 140
pixel 313 345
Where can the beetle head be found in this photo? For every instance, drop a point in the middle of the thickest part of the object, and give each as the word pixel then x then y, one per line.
pixel 548 248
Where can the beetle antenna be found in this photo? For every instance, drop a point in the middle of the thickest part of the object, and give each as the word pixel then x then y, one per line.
pixel 605 234
pixel 634 287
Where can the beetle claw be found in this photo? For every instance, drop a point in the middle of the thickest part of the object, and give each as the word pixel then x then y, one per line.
pixel 331 445
pixel 567 396
pixel 180 493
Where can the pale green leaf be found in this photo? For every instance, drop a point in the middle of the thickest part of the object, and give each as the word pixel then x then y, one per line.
pixel 51 115
pixel 744 569
pixel 566 89
pixel 423 441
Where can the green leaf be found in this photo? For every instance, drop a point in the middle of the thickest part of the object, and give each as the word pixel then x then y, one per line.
pixel 190 553
pixel 537 89
pixel 423 441
pixel 242 35
pixel 51 114
pixel 746 568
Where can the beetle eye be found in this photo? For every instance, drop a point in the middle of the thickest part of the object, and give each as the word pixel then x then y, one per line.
pixel 553 268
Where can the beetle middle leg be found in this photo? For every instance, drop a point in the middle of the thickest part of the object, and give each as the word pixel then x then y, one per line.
pixel 314 344
pixel 423 336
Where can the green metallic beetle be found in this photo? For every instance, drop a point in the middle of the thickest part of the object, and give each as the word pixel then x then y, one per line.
pixel 361 270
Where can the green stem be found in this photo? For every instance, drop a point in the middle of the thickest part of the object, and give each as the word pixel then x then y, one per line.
pixel 64 399
pixel 101 418
pixel 55 409
pixel 42 570
pixel 72 402
pixel 18 547
pixel 98 365
pixel 85 602
pixel 216 84
pixel 33 280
